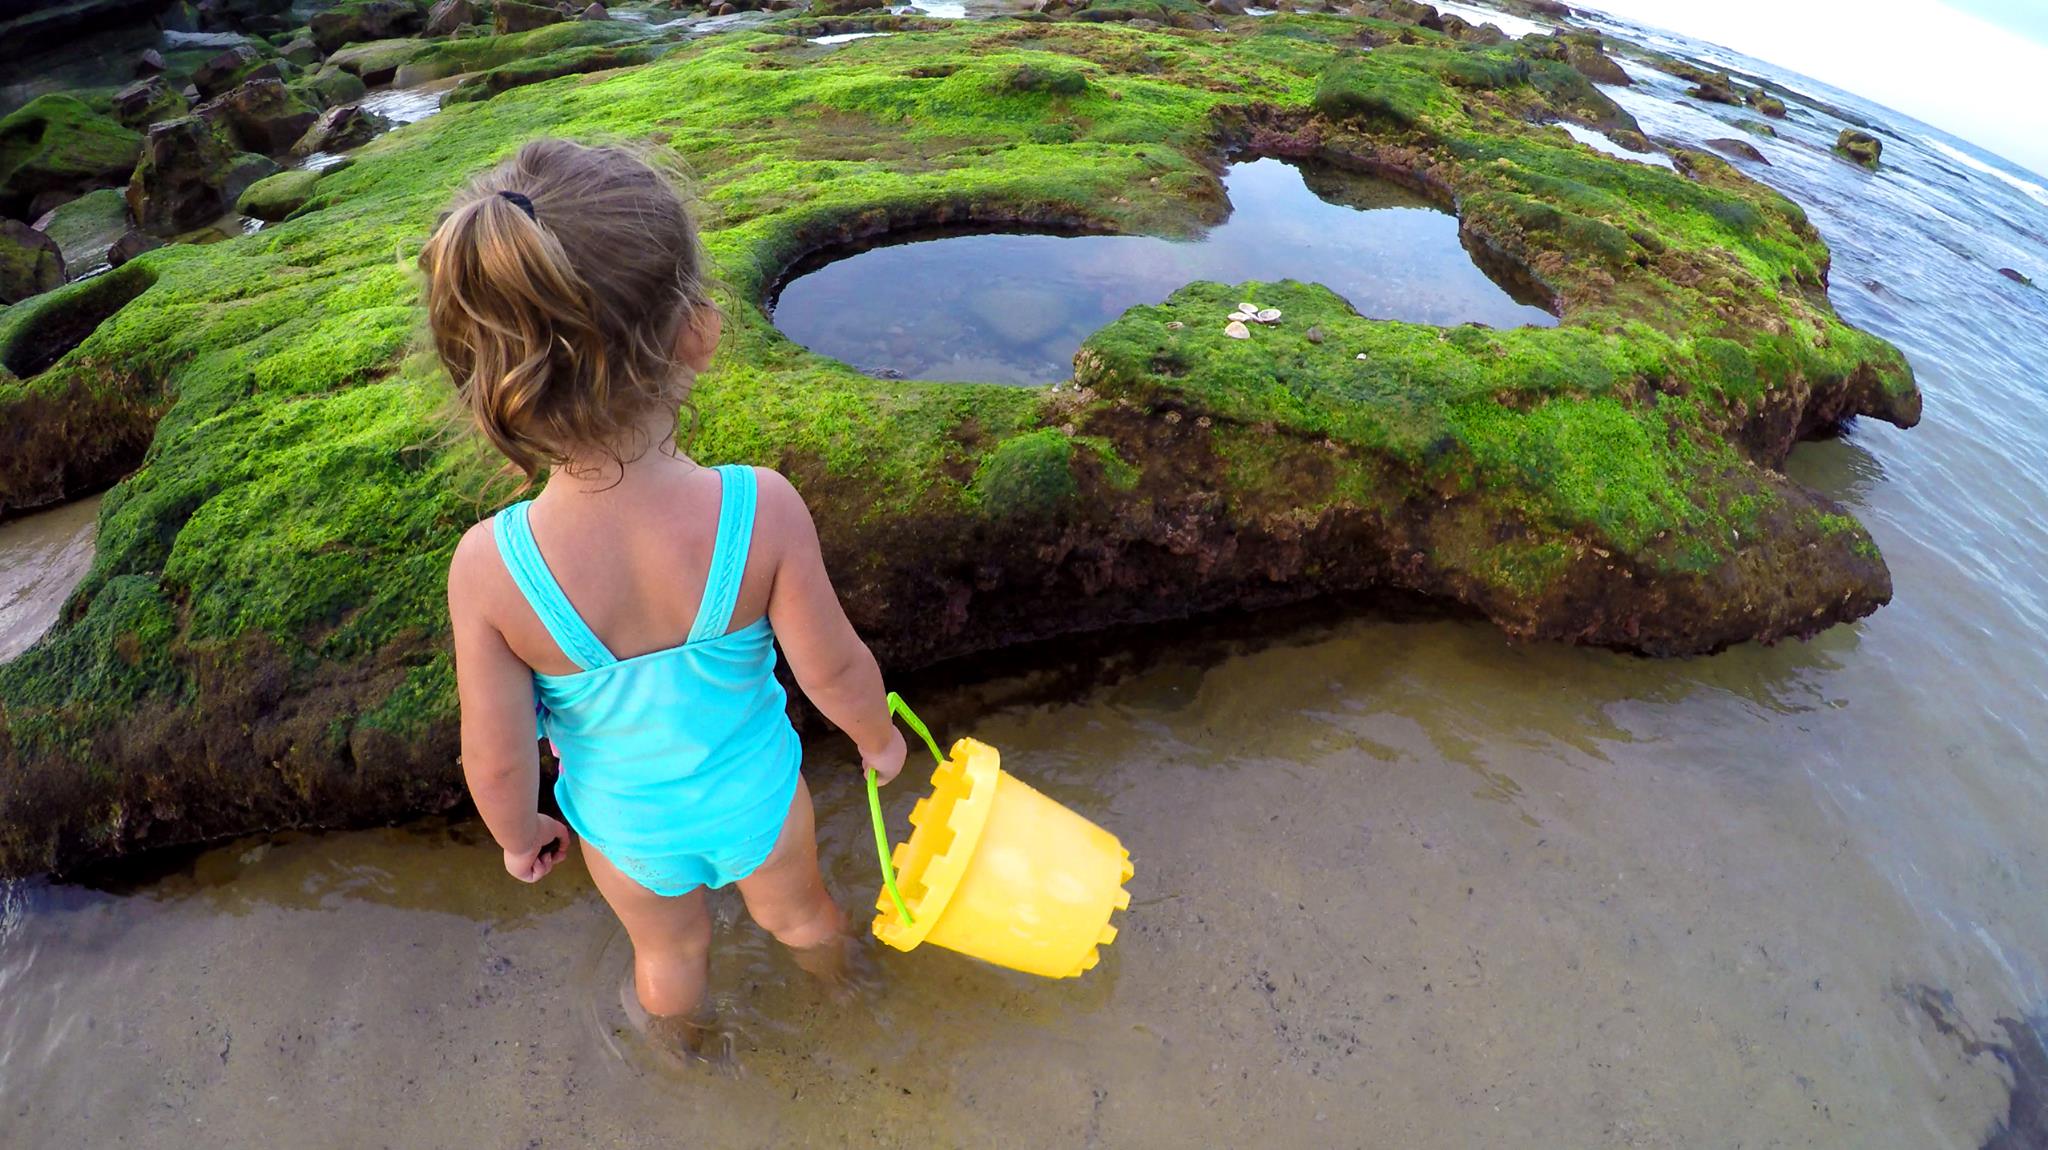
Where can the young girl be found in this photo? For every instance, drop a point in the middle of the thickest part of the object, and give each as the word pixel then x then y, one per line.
pixel 641 596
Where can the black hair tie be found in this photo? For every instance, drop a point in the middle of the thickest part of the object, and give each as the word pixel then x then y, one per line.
pixel 522 203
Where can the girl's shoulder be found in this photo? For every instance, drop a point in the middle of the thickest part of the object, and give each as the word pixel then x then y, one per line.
pixel 475 558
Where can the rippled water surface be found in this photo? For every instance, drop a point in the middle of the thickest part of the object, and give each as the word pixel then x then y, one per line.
pixel 42 557
pixel 1398 884
pixel 1015 308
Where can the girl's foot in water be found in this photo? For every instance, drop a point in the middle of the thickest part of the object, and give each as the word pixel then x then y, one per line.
pixel 844 963
pixel 687 1040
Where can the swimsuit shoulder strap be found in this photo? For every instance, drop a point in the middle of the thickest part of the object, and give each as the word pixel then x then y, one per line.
pixel 522 558
pixel 728 554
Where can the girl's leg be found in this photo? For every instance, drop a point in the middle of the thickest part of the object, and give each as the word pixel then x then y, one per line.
pixel 787 895
pixel 671 938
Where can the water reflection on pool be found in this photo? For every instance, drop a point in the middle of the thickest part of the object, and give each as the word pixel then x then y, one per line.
pixel 1015 308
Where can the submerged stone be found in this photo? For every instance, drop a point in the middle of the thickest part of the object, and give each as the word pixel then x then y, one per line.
pixel 1741 149
pixel 1859 147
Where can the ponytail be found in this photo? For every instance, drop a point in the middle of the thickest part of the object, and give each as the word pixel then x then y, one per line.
pixel 556 289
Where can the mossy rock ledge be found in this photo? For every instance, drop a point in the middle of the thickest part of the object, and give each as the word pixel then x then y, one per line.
pixel 261 641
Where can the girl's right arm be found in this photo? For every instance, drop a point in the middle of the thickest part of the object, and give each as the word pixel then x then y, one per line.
pixel 834 668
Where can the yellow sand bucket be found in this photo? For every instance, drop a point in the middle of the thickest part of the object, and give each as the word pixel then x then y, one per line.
pixel 995 870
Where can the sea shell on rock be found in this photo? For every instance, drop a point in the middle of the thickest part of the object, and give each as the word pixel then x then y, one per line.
pixel 1249 307
pixel 1174 325
pixel 1268 315
pixel 1242 316
pixel 1236 330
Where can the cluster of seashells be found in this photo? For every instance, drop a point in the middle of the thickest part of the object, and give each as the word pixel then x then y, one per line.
pixel 1249 313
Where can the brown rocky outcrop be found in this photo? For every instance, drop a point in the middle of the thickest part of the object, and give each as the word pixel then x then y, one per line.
pixel 180 181
pixel 30 263
pixel 261 116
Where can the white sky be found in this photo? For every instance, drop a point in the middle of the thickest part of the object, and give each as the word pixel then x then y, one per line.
pixel 1960 72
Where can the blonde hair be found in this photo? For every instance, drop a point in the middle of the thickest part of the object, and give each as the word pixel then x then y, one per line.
pixel 558 284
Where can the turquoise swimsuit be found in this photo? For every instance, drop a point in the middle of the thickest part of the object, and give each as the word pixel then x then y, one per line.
pixel 678 765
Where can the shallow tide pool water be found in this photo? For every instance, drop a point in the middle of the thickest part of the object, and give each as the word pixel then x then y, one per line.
pixel 1014 308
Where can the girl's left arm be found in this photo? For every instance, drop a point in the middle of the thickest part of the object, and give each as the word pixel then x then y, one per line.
pixel 500 755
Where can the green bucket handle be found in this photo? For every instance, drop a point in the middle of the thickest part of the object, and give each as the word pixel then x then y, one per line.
pixel 897 707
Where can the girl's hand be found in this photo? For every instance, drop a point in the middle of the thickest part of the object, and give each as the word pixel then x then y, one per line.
pixel 887 763
pixel 533 864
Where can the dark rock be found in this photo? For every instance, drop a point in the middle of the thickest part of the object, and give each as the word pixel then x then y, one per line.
pixel 147 101
pixel 1738 148
pixel 30 263
pixel 231 69
pixel 1757 128
pixel 1042 78
pixel 1594 64
pixel 448 15
pixel 1769 105
pixel 337 130
pixel 596 12
pixel 1859 147
pixel 510 16
pixel 331 86
pixel 131 244
pixel 302 51
pixel 1227 7
pixel 178 184
pixel 57 146
pixel 359 20
pixel 179 17
pixel 150 63
pixel 29 25
pixel 1717 88
pixel 1548 8
pixel 264 17
pixel 261 116
pixel 2015 276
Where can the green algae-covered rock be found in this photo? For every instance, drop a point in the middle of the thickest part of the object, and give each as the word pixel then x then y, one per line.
pixel 1859 147
pixel 275 197
pixel 377 61
pixel 262 639
pixel 554 65
pixel 86 227
pixel 56 147
pixel 353 21
pixel 509 16
pixel 454 57
pixel 146 102
pixel 330 87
